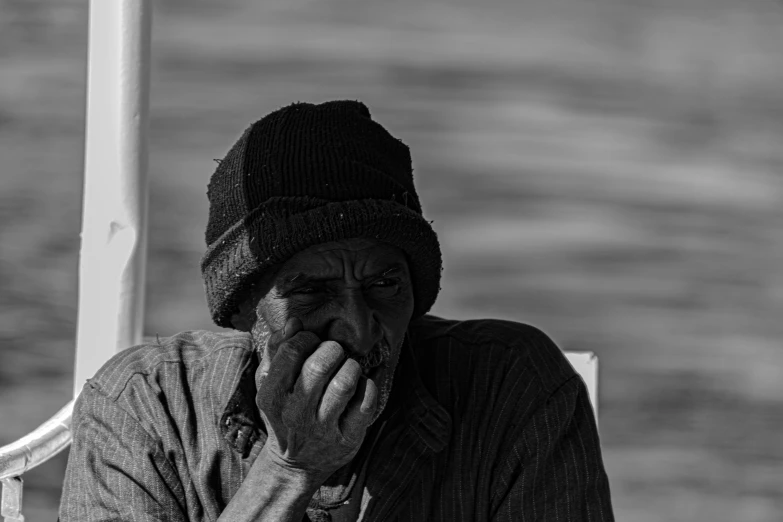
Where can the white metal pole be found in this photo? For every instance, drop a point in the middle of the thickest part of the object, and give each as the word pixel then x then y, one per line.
pixel 114 215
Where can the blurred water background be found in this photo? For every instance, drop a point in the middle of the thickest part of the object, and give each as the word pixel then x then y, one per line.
pixel 607 170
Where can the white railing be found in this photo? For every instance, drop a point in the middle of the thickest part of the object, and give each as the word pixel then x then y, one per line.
pixel 114 220
pixel 33 449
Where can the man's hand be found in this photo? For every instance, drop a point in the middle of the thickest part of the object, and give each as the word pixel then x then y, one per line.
pixel 315 402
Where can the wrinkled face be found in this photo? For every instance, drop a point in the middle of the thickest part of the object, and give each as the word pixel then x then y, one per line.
pixel 356 292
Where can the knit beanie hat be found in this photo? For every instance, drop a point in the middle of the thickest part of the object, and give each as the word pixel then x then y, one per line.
pixel 309 174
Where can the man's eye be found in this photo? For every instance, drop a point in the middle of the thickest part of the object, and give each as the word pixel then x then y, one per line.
pixel 386 283
pixel 306 290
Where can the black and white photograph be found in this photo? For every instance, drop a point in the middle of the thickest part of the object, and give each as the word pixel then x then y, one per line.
pixel 363 260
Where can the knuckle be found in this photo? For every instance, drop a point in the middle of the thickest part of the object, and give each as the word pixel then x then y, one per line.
pixel 299 342
pixel 341 387
pixel 352 438
pixel 318 367
pixel 344 384
pixel 324 360
pixel 331 353
pixel 288 352
pixel 332 347
pixel 305 339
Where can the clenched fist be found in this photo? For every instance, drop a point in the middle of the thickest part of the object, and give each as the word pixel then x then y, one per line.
pixel 314 400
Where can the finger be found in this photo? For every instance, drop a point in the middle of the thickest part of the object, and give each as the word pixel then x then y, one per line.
pixel 287 362
pixel 318 369
pixel 289 329
pixel 339 391
pixel 360 411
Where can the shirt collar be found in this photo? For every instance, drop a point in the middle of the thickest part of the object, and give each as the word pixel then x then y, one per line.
pixel 241 425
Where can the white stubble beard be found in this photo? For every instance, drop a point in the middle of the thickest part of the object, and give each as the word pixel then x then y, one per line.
pixel 385 387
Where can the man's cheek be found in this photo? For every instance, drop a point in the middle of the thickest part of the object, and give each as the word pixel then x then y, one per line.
pixel 262 334
pixel 274 313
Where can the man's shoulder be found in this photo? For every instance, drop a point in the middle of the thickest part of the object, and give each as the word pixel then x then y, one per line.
pixel 520 346
pixel 186 359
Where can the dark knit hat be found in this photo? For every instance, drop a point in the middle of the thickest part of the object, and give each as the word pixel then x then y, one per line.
pixel 309 174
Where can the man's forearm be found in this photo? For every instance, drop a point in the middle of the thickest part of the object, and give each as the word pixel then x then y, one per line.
pixel 270 493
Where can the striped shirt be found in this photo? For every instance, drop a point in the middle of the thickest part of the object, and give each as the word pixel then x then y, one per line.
pixel 487 421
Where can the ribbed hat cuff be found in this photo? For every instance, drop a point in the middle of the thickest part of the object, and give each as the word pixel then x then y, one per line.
pixel 281 227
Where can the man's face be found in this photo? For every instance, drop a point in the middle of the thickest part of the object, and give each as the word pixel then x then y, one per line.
pixel 356 292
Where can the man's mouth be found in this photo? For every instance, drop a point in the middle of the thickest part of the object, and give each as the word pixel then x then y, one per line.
pixel 372 362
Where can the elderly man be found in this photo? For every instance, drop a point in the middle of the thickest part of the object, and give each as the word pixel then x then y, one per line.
pixel 336 398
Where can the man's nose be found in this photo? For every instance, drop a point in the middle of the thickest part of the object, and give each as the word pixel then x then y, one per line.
pixel 355 326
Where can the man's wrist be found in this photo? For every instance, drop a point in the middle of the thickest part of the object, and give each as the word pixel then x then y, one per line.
pixel 297 479
pixel 272 491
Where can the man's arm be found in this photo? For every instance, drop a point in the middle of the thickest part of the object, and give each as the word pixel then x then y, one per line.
pixel 555 470
pixel 316 407
pixel 270 492
pixel 116 470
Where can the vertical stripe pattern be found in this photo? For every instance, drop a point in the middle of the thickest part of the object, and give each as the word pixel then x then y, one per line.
pixel 492 424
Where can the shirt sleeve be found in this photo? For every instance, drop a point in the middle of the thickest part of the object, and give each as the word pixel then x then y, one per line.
pixel 116 471
pixel 554 471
